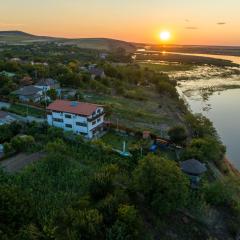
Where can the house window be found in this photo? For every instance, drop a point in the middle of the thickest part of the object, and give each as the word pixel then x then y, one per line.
pixel 68 116
pixel 99 111
pixel 68 125
pixel 94 122
pixel 99 119
pixel 57 120
pixel 81 124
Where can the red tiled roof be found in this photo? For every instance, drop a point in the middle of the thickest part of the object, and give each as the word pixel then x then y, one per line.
pixel 80 108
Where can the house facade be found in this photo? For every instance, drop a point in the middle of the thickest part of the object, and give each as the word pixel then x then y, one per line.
pixel 81 118
pixel 5 118
pixel 29 94
pixel 47 84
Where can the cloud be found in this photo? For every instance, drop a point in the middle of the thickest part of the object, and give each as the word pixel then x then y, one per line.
pixel 221 23
pixel 192 28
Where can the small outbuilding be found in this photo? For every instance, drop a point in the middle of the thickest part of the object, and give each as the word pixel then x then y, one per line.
pixel 194 169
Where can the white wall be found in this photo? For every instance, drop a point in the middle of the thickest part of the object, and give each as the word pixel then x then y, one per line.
pixel 86 130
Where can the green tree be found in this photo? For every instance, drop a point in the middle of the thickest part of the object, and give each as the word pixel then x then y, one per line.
pixel 178 134
pixel 161 182
pixel 16 211
pixel 102 182
pixel 52 93
pixel 22 143
pixel 78 224
pixel 7 147
pixel 205 149
pixel 201 126
pixel 128 225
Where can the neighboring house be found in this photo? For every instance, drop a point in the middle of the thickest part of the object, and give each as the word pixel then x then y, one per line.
pixel 81 118
pixel 39 63
pixel 47 84
pixel 7 74
pixel 26 81
pixel 103 56
pixel 66 93
pixel 96 73
pixel 15 60
pixel 29 93
pixel 5 118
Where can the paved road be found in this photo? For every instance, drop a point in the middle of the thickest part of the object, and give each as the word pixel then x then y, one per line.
pixel 27 119
pixel 20 161
pixel 19 117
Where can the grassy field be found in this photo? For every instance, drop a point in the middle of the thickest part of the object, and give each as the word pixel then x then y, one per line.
pixel 25 110
pixel 116 140
pixel 155 114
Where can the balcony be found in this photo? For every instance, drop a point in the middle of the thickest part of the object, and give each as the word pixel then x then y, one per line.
pixel 95 117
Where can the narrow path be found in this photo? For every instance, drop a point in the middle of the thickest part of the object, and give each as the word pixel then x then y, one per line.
pixel 18 162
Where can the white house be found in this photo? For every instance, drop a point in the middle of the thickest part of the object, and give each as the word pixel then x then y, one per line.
pixel 81 118
pixel 47 84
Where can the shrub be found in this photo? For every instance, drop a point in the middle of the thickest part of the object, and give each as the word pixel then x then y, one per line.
pixel 178 134
pixel 205 149
pixel 128 224
pixel 102 182
pixel 7 148
pixel 161 182
pixel 22 143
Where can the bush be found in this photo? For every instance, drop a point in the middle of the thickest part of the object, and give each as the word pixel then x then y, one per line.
pixel 161 182
pixel 15 211
pixel 83 224
pixel 178 134
pixel 8 148
pixel 205 149
pixel 225 192
pixel 128 225
pixel 166 88
pixel 102 182
pixel 22 143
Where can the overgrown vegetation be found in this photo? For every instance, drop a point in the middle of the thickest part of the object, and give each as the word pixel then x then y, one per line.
pixel 85 190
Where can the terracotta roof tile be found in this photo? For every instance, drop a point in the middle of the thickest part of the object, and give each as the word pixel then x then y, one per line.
pixel 80 108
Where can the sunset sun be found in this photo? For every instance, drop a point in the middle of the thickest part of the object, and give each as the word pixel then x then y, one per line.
pixel 165 36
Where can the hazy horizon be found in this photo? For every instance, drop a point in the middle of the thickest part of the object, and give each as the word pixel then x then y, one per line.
pixel 190 23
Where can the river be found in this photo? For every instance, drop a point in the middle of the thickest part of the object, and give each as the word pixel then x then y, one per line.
pixel 215 92
pixel 206 91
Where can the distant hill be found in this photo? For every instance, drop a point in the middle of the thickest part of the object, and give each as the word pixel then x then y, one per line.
pixel 19 37
pixel 15 33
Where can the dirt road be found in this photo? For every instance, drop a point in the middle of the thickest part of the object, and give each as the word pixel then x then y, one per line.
pixel 18 162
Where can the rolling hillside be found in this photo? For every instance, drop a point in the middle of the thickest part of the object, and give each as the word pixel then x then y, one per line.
pixel 19 37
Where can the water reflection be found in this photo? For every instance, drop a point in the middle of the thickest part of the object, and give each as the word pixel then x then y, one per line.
pixel 223 109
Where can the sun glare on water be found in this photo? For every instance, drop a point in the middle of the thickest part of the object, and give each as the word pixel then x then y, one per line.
pixel 165 36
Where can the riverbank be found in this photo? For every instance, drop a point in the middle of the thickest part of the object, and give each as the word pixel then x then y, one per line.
pixel 231 168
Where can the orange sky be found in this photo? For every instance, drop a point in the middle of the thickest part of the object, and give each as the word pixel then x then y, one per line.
pixel 208 22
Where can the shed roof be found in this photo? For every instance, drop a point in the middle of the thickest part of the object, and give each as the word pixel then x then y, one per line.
pixel 193 166
pixel 46 82
pixel 28 91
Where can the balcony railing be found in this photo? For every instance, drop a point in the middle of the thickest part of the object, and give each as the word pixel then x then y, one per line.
pixel 93 118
